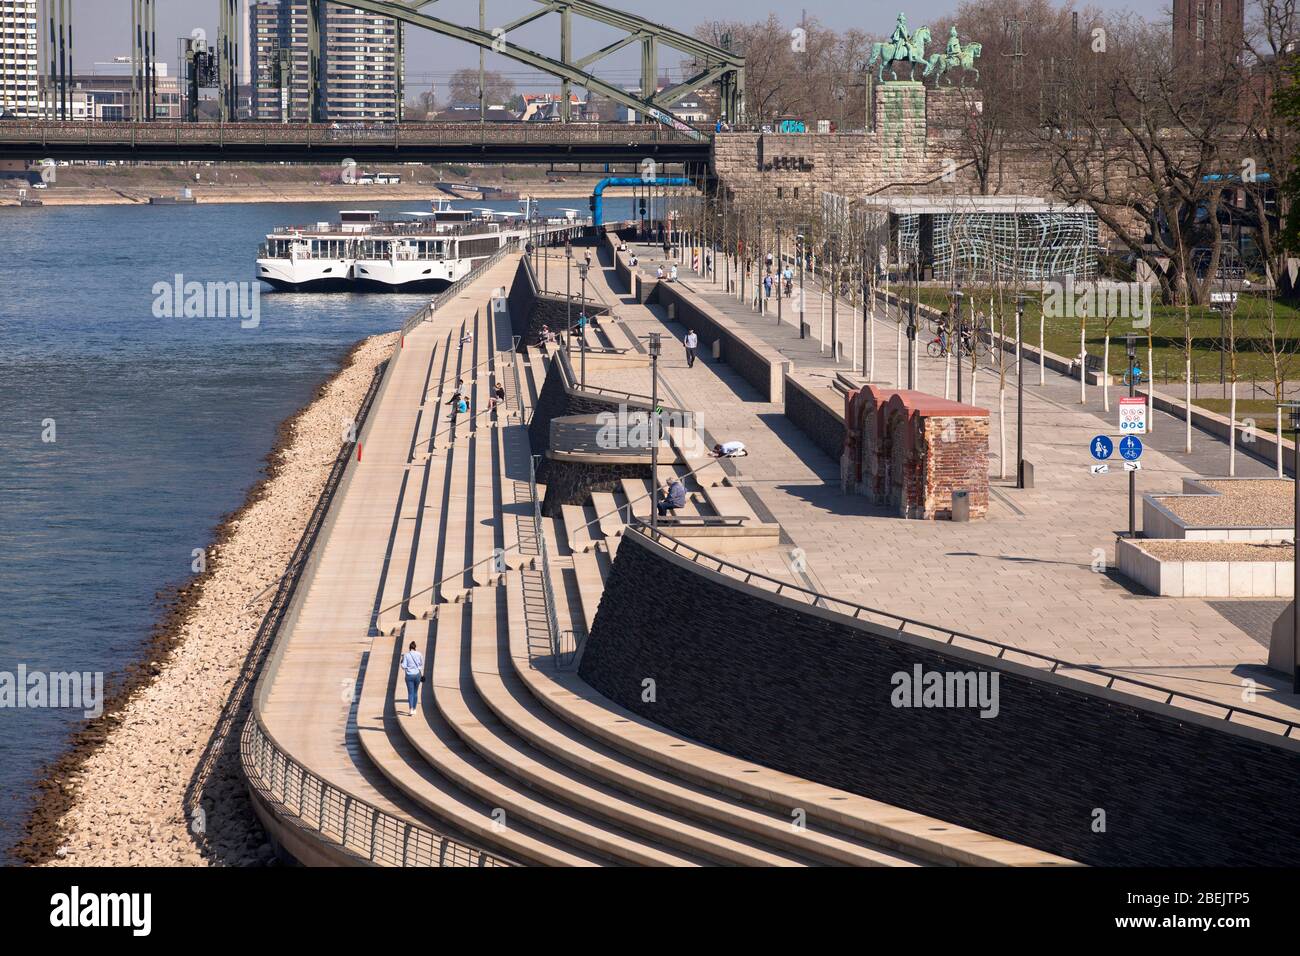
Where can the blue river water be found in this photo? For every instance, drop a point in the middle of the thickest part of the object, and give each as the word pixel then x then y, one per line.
pixel 124 438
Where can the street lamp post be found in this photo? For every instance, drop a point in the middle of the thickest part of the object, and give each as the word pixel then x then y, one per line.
pixel 654 433
pixel 568 294
pixel 582 321
pixel 1131 349
pixel 1020 390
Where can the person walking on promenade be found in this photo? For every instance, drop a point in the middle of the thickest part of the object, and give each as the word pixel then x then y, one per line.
pixel 672 274
pixel 413 668
pixel 692 342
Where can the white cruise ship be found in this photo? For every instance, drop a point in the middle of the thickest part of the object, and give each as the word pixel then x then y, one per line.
pixel 426 251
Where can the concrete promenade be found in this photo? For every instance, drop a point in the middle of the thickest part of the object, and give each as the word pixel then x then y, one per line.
pixel 310 707
pixel 1038 573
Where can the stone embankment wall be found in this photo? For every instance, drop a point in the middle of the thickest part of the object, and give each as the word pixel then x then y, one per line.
pixel 1087 773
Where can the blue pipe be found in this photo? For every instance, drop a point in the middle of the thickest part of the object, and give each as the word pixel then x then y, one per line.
pixel 597 197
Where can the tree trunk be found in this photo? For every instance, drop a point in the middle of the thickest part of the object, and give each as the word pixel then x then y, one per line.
pixel 898 356
pixel 1083 364
pixel 1002 427
pixel 1042 379
pixel 1151 387
pixel 1232 429
pixel 1187 403
pixel 947 375
pixel 1105 373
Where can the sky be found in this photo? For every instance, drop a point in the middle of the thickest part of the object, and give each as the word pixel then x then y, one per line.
pixel 103 30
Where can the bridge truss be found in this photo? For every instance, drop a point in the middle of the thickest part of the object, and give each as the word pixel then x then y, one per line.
pixel 713 64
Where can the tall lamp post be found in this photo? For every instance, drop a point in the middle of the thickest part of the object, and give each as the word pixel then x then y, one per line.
pixel 654 433
pixel 568 293
pixel 1131 350
pixel 582 321
pixel 1021 298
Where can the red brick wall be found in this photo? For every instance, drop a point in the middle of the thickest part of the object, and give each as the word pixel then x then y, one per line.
pixel 911 451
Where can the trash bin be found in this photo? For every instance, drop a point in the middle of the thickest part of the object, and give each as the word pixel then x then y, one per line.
pixel 961 506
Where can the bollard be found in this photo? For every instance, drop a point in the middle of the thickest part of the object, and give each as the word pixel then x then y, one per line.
pixel 961 506
pixel 672 311
pixel 358 451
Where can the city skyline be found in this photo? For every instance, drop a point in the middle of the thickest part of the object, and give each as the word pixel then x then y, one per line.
pixel 103 33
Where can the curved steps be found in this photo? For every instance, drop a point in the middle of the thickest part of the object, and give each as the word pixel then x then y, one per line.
pixel 498 657
pixel 477 719
pixel 479 781
pixel 383 693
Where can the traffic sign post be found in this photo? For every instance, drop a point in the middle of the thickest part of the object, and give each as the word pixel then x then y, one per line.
pixel 1130 446
pixel 1132 415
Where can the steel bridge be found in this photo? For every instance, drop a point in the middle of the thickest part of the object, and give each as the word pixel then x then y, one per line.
pixel 219 65
pixel 322 143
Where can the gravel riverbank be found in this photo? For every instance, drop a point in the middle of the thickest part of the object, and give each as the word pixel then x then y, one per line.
pixel 118 796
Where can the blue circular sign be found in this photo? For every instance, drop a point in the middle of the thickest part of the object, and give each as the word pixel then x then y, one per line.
pixel 1101 447
pixel 1130 447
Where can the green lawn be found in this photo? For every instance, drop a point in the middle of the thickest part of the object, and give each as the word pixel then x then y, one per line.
pixel 1254 359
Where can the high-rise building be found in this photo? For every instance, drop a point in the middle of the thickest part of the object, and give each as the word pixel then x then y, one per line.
pixel 360 73
pixel 1208 28
pixel 19 58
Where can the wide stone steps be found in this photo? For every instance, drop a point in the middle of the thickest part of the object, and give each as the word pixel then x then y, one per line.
pixel 464 705
pixel 382 730
pixel 516 684
pixel 473 761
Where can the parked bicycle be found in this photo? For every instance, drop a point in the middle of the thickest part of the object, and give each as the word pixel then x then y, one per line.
pixel 1134 376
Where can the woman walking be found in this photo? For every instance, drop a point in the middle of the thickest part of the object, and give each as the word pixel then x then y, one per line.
pixel 413 667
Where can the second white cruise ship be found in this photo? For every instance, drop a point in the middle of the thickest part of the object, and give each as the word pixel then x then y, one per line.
pixel 362 253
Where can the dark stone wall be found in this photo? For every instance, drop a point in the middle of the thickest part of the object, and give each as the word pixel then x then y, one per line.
pixel 556 400
pixel 572 482
pixel 808 692
pixel 530 308
pixel 815 419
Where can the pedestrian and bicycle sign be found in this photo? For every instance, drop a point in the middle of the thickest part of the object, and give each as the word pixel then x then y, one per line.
pixel 1132 416
pixel 1101 448
pixel 1130 448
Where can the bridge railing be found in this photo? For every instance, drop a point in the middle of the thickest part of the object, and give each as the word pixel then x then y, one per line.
pixel 307 134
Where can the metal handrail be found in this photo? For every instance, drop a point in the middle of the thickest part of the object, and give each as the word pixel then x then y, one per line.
pixel 347 820
pixel 286 784
pixel 1055 664
pixel 447 294
pixel 548 593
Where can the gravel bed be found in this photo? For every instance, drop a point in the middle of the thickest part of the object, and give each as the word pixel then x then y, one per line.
pixel 1248 503
pixel 1169 550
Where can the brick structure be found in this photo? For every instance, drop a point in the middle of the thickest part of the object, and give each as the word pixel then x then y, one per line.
pixel 911 451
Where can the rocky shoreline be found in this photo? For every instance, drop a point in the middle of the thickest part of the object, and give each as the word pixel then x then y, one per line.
pixel 117 797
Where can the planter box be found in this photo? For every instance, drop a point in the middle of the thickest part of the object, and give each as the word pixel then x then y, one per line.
pixel 1204 579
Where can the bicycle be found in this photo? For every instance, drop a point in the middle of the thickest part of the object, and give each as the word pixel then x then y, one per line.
pixel 1130 379
pixel 937 346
